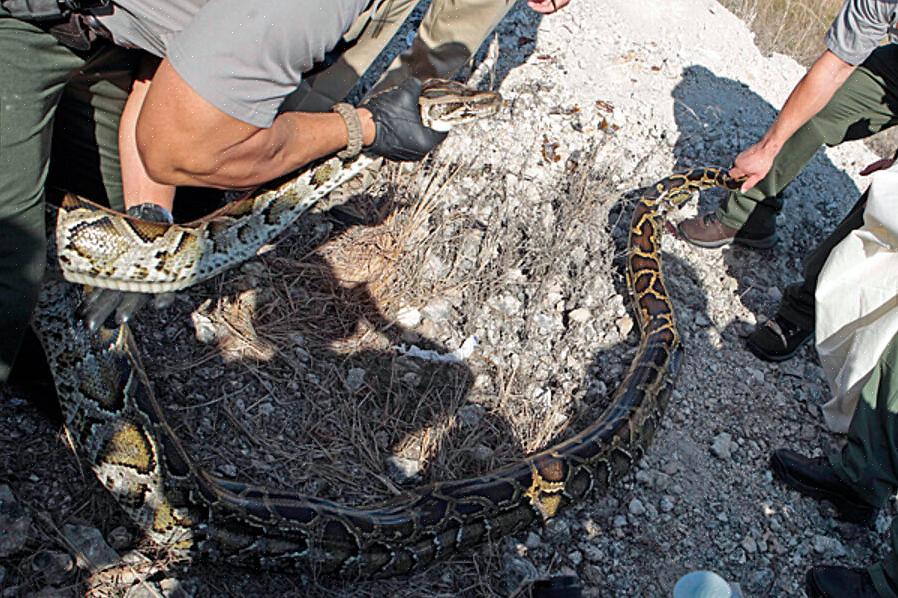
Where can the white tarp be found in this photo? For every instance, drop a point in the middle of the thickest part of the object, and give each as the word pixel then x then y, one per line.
pixel 857 300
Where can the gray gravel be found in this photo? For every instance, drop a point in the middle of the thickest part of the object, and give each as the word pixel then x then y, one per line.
pixel 523 255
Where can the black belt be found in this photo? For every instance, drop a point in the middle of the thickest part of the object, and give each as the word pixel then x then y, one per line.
pixel 72 22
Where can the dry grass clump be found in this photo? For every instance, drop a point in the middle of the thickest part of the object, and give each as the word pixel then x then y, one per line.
pixel 792 27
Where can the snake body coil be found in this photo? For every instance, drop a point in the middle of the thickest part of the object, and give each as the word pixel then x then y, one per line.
pixel 120 430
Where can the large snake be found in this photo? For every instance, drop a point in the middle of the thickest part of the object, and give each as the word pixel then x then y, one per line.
pixel 120 430
pixel 101 247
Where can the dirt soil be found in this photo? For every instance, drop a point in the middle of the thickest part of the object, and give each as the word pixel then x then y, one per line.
pixel 303 368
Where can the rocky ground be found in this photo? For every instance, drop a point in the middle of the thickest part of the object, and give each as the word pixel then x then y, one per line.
pixel 316 365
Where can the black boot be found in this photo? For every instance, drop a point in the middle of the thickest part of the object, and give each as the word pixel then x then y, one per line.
pixel 777 339
pixel 839 582
pixel 30 378
pixel 815 478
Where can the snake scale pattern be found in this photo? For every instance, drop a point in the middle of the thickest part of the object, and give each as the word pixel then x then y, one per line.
pixel 120 430
pixel 101 247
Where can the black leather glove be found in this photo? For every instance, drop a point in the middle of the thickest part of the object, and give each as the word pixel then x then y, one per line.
pixel 397 117
pixel 100 303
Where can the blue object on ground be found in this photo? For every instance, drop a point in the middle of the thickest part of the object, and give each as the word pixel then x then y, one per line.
pixel 702 584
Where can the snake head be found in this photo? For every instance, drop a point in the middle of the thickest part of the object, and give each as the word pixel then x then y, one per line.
pixel 445 104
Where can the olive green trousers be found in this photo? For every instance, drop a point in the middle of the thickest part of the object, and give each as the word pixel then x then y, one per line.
pixel 869 461
pixel 59 118
pixel 866 104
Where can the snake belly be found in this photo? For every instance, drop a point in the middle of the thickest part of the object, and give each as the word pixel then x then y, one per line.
pixel 120 430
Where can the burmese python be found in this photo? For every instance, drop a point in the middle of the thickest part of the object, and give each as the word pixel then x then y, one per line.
pixel 119 428
pixel 101 247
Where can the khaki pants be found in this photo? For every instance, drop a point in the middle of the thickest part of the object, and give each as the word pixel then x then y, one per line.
pixel 449 34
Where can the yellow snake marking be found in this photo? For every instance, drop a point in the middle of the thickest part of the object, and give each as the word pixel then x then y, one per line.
pixel 544 495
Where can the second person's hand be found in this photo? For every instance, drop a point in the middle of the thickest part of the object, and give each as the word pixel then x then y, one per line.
pixel 547 7
pixel 752 165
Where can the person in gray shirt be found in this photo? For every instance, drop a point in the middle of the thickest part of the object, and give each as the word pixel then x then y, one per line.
pixel 848 93
pixel 211 116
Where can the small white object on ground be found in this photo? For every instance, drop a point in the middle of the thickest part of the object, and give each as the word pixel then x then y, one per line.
pixel 457 356
pixel 703 584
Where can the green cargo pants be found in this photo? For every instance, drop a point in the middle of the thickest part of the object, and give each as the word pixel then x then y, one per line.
pixel 869 461
pixel 59 116
pixel 866 104
pixel 449 34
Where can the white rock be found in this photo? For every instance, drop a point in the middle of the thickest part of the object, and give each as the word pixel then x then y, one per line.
pixel 408 317
pixel 533 540
pixel 204 329
pixel 666 504
pixel 438 310
pixel 402 469
pixel 580 315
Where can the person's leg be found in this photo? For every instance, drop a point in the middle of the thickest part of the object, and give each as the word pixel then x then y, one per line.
pixel 869 460
pixel 798 300
pixel 34 69
pixel 866 104
pixel 780 337
pixel 450 33
pixel 86 158
pixel 365 41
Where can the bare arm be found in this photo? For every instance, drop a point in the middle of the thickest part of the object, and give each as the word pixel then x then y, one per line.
pixel 185 140
pixel 138 187
pixel 811 94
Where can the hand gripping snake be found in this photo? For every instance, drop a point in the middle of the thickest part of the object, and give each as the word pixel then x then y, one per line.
pixel 120 430
pixel 103 248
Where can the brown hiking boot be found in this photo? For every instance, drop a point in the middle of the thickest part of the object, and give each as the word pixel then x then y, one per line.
pixel 706 230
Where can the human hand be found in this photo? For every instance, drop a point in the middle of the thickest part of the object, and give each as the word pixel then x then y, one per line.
pixel 547 7
pixel 397 117
pixel 878 165
pixel 99 303
pixel 752 165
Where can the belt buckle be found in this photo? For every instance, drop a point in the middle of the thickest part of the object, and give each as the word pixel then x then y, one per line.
pixel 92 5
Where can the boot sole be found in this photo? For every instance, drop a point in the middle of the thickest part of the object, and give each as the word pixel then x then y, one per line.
pixel 781 472
pixel 776 357
pixel 762 243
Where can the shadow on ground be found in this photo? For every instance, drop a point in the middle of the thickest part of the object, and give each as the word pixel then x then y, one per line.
pixel 714 112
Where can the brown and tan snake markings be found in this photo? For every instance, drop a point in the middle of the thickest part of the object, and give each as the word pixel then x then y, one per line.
pixel 121 432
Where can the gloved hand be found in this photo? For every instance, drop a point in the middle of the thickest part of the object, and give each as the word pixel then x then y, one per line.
pixel 397 117
pixel 100 303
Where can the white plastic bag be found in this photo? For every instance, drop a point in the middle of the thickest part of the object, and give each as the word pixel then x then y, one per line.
pixel 857 300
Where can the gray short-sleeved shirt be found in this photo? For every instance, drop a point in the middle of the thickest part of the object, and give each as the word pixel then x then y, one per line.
pixel 242 56
pixel 860 27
